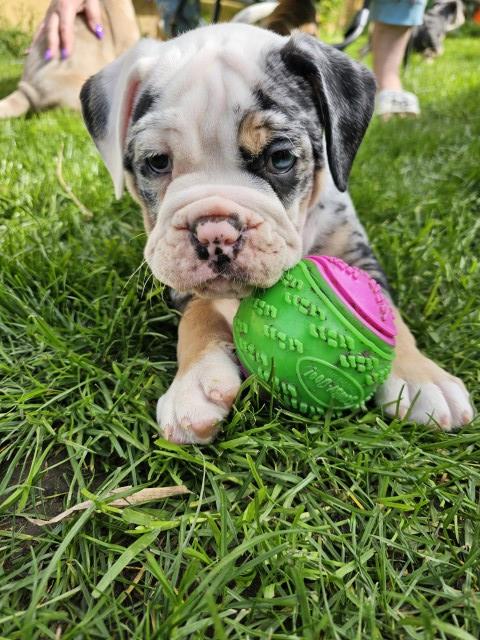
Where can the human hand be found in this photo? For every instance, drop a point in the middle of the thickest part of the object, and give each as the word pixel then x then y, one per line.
pixel 58 25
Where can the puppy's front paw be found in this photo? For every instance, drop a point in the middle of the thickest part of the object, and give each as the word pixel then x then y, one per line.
pixel 198 399
pixel 426 392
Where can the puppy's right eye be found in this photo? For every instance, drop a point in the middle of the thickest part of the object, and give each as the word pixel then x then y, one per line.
pixel 281 161
pixel 159 164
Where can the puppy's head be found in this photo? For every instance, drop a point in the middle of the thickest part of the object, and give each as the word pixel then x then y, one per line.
pixel 451 13
pixel 222 136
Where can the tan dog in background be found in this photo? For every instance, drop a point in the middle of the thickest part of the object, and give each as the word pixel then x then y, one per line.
pixel 290 15
pixel 57 83
pixel 283 17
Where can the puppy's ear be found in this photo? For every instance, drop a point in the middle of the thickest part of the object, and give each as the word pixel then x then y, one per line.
pixel 453 14
pixel 108 99
pixel 344 93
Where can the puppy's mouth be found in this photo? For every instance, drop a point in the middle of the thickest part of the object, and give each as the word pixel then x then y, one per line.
pixel 216 248
pixel 222 287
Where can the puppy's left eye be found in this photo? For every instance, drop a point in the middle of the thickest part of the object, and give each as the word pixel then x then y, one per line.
pixel 159 164
pixel 281 161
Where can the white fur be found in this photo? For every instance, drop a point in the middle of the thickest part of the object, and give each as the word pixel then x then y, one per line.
pixel 196 402
pixel 118 78
pixel 439 399
pixel 179 63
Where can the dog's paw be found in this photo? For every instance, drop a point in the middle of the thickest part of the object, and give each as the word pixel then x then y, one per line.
pixel 423 391
pixel 197 400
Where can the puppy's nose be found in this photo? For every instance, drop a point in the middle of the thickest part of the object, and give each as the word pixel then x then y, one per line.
pixel 222 233
pixel 217 239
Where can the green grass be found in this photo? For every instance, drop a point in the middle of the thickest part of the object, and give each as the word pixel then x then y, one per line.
pixel 354 527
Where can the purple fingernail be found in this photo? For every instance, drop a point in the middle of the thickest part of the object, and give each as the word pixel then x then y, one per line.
pixel 99 31
pixel 64 54
pixel 47 55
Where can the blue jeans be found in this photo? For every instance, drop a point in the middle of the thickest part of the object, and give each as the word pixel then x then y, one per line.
pixel 407 13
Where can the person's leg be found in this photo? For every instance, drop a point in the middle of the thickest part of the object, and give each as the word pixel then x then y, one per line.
pixel 392 24
pixel 389 43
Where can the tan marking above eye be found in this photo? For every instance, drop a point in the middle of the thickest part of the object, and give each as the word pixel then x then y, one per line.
pixel 254 133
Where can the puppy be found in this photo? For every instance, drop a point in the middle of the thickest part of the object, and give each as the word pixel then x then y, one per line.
pixel 237 143
pixel 442 17
pixel 57 83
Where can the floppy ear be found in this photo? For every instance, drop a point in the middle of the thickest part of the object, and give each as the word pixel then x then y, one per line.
pixel 107 101
pixel 453 13
pixel 343 92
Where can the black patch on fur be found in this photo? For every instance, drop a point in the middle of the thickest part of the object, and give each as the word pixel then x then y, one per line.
pixel 149 196
pixel 283 184
pixel 221 264
pixel 95 108
pixel 143 106
pixel 200 249
pixel 291 95
pixel 265 102
pixel 343 93
pixel 359 251
pixel 128 163
pixel 297 63
pixel 128 158
pixel 179 300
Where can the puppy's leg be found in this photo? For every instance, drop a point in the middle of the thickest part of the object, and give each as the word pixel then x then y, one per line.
pixel 416 385
pixel 419 387
pixel 207 379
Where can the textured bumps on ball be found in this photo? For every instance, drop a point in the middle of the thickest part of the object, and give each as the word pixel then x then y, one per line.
pixel 321 338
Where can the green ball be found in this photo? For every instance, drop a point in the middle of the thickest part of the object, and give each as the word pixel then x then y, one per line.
pixel 321 338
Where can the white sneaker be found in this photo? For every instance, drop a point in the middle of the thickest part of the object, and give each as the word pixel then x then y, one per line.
pixel 399 103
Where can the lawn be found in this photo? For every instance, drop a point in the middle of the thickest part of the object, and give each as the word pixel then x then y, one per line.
pixel 353 527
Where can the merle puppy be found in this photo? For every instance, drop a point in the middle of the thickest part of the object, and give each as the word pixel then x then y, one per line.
pixel 442 17
pixel 237 143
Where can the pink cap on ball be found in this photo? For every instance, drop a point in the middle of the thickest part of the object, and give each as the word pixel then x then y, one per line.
pixel 361 294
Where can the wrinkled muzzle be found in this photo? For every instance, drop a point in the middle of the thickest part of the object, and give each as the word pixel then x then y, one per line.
pixel 221 240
